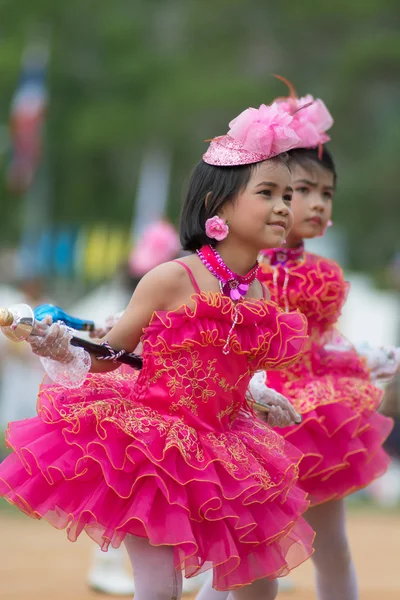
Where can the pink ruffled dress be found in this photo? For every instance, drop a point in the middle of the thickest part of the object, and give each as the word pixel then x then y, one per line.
pixel 170 454
pixel 341 435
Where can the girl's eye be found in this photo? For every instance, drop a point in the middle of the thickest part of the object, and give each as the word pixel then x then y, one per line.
pixel 302 190
pixel 266 193
pixel 287 197
pixel 328 195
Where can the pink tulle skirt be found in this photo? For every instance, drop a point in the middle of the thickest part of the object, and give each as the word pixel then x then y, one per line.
pixel 341 435
pixel 342 451
pixel 98 461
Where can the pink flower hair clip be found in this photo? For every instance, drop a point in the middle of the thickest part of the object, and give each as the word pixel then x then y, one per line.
pixel 217 228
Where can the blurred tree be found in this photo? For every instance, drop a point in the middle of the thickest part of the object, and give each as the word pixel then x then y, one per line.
pixel 132 72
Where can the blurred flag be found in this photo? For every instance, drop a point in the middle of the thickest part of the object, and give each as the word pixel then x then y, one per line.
pixel 35 255
pixel 154 181
pixel 96 253
pixel 45 253
pixel 26 119
pixel 70 253
pixel 116 251
pixel 27 257
pixel 79 253
pixel 64 252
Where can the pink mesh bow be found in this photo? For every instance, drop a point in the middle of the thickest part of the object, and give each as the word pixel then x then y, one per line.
pixel 158 243
pixel 257 134
pixel 311 118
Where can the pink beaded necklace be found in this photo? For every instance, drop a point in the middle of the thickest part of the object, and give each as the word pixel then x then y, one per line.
pixel 279 257
pixel 231 284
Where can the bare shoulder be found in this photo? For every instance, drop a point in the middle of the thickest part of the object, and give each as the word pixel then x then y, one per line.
pixel 167 284
pixel 166 272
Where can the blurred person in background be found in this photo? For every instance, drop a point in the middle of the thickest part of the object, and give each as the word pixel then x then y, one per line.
pixel 386 490
pixel 18 394
pixel 394 273
pixel 391 408
pixel 332 386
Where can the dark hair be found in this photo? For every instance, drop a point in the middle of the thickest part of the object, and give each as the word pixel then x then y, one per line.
pixel 308 157
pixel 222 184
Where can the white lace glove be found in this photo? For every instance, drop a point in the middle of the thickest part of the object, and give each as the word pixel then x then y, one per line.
pixel 280 413
pixel 65 364
pixel 101 332
pixel 382 363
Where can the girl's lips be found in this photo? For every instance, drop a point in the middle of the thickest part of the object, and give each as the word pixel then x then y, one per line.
pixel 316 220
pixel 278 227
pixel 280 224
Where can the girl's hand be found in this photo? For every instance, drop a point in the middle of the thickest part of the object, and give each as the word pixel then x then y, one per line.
pixel 65 364
pixel 54 343
pixel 383 363
pixel 280 412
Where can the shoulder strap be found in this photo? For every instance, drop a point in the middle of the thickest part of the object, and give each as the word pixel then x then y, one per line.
pixel 264 291
pixel 192 277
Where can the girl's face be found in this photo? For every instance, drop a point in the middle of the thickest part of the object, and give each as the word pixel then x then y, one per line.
pixel 260 216
pixel 313 191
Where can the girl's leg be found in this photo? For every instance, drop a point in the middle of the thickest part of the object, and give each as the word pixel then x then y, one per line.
pixel 207 592
pixel 153 567
pixel 335 572
pixel 263 589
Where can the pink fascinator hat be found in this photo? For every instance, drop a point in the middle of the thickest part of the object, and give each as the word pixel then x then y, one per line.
pixel 158 243
pixel 257 134
pixel 311 118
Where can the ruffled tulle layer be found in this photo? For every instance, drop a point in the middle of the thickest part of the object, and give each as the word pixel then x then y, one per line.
pixel 342 450
pixel 341 435
pixel 96 461
pixel 271 337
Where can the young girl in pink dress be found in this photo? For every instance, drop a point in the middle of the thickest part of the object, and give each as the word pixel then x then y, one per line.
pixel 171 462
pixel 157 244
pixel 341 434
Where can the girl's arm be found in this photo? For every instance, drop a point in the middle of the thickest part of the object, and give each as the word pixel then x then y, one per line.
pixel 163 288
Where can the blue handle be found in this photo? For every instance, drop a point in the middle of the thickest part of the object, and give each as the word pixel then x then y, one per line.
pixel 58 314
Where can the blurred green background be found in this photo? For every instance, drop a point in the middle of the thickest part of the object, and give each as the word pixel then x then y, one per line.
pixel 127 75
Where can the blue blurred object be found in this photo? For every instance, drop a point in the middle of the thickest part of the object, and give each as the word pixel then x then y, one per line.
pixel 63 252
pixel 41 311
pixel 57 314
pixel 44 253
